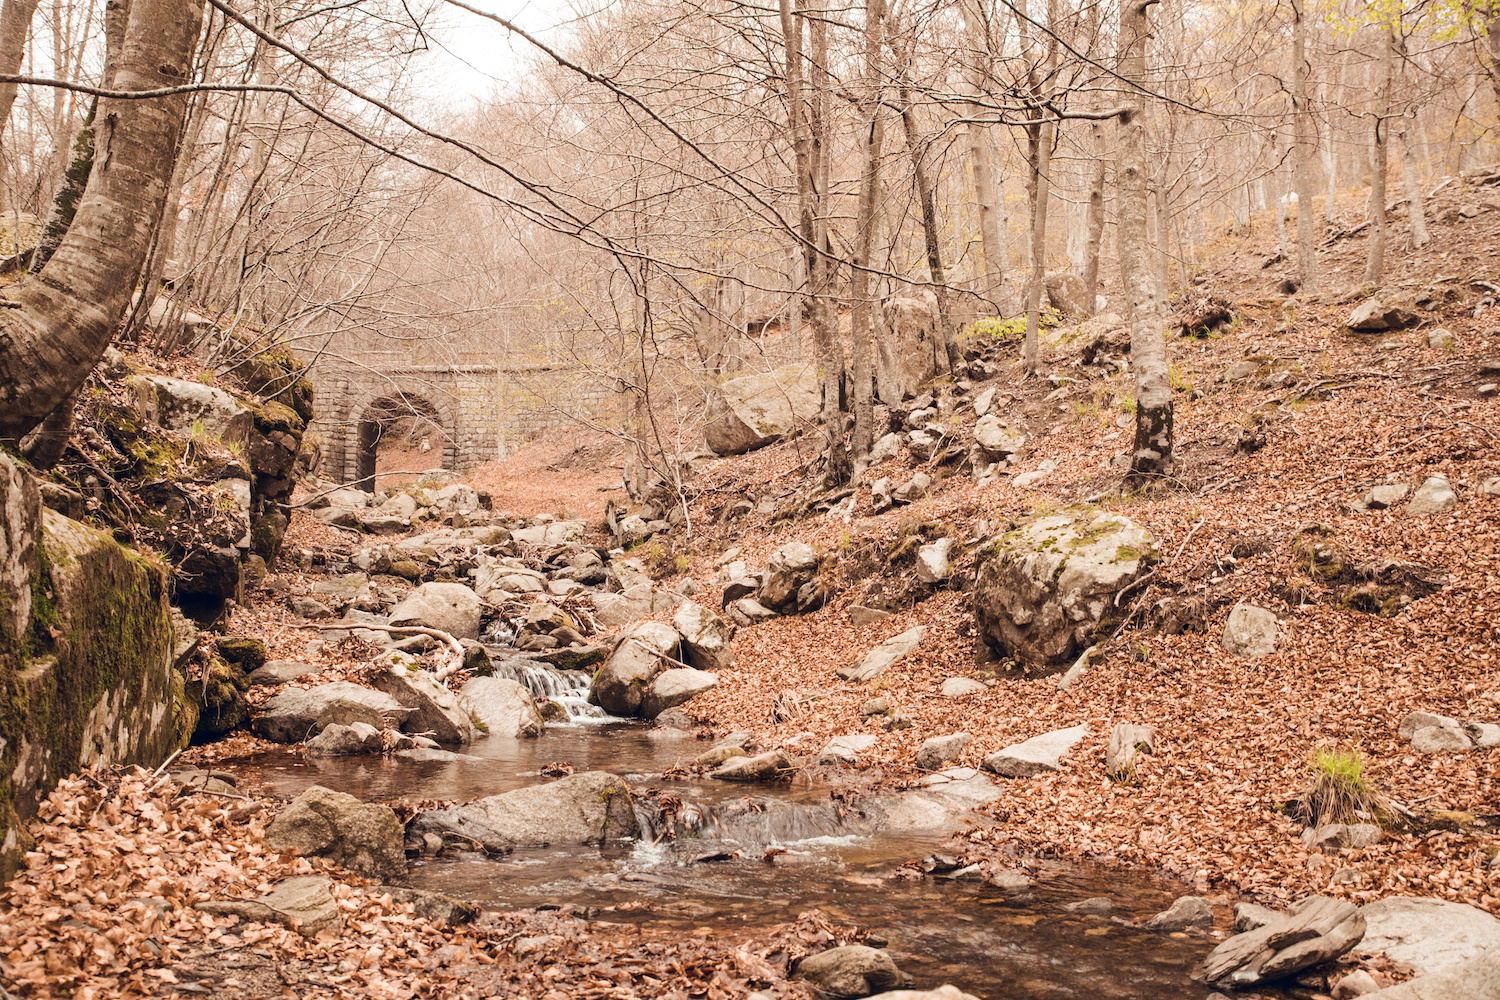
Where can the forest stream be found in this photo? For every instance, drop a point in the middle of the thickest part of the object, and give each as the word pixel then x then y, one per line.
pixel 759 859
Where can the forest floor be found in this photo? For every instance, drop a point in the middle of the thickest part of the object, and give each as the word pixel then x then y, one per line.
pixel 1258 463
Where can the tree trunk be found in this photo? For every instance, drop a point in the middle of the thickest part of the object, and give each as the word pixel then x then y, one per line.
pixel 68 314
pixel 1163 255
pixel 1375 265
pixel 825 303
pixel 1152 455
pixel 991 284
pixel 863 311
pixel 1303 137
pixel 1304 140
pixel 65 202
pixel 929 226
pixel 805 142
pixel 15 25
pixel 1095 224
pixel 1042 135
pixel 1040 171
pixel 1416 207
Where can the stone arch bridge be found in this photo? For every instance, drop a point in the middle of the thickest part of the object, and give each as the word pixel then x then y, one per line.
pixel 480 410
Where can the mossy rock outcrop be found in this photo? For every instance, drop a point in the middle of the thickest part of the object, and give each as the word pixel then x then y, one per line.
pixel 86 654
pixel 1047 586
pixel 221 699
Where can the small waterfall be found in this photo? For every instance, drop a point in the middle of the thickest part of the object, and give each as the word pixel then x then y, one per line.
pixel 569 688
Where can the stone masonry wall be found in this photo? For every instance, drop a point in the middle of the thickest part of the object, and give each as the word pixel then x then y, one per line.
pixel 479 407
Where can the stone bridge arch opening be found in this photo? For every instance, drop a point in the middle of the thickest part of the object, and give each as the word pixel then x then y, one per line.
pixel 400 421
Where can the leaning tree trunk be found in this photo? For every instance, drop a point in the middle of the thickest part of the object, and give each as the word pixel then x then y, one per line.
pixel 50 344
pixel 69 192
pixel 1152 455
pixel 929 226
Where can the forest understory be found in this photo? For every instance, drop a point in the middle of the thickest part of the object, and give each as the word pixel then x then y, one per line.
pixel 1264 464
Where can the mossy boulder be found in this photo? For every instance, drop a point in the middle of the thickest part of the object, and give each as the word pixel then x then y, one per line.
pixel 86 657
pixel 221 696
pixel 244 651
pixel 1045 587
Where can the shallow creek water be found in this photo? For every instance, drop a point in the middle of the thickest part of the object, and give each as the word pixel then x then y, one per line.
pixel 990 942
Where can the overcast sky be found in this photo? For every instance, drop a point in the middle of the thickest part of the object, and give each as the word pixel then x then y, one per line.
pixel 473 57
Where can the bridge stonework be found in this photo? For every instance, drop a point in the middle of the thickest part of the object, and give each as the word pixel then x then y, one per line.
pixel 479 408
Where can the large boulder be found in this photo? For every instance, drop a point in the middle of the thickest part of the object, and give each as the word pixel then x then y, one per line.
pixel 939 750
pixel 1070 295
pixel 435 711
pixel 221 693
pixel 770 766
pixel 1430 935
pixel 674 687
pixel 192 408
pixel 751 411
pixel 1044 587
pixel 589 808
pixel 1374 316
pixel 294 714
pixel 343 741
pixel 95 685
pixel 277 672
pixel 614 610
pixel 705 637
pixel 621 682
pixel 364 838
pixel 449 607
pixel 907 355
pixel 509 578
pixel 791 566
pixel 1476 979
pixel 505 706
pixel 550 533
pixel 854 970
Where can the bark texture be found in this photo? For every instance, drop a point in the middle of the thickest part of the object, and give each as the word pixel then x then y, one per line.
pixel 1375 264
pixel 1152 455
pixel 863 306
pixel 1303 142
pixel 69 312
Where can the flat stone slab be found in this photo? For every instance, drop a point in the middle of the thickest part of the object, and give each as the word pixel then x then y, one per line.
pixel 275 672
pixel 1430 935
pixel 1038 755
pixel 845 749
pixel 880 659
pixel 763 767
pixel 961 687
pixel 304 903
